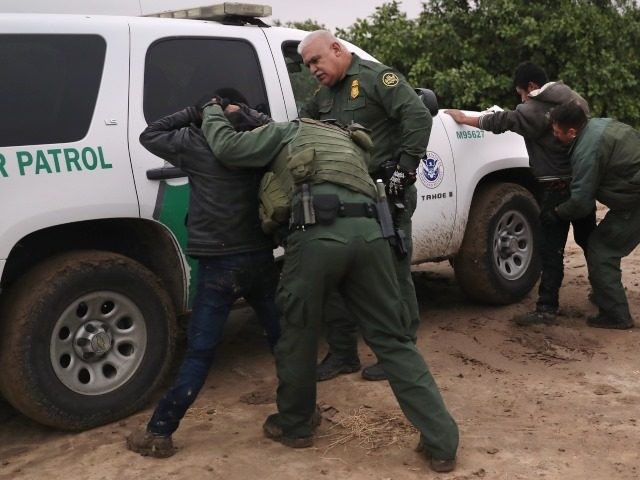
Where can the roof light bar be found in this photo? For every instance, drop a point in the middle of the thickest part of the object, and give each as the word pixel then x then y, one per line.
pixel 218 11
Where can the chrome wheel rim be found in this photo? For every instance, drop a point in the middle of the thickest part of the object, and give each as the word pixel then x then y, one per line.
pixel 98 343
pixel 513 245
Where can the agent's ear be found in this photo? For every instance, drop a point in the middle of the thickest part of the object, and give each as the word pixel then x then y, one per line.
pixel 531 86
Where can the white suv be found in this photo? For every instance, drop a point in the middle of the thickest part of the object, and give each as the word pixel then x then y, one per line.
pixel 92 269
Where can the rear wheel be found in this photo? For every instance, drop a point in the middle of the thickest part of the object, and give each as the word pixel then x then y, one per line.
pixel 498 261
pixel 86 337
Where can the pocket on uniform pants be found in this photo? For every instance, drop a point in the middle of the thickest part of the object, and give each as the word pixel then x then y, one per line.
pixel 614 229
pixel 292 308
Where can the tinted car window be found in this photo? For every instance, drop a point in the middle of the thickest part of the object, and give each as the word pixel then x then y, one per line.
pixel 48 87
pixel 188 71
pixel 303 83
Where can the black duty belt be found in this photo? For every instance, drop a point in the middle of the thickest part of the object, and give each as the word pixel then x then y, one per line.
pixel 357 210
pixel 327 207
pixel 558 184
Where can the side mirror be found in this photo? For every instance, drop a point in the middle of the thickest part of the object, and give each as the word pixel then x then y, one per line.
pixel 429 99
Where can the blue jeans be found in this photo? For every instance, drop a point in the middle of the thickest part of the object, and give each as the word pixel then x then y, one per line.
pixel 221 281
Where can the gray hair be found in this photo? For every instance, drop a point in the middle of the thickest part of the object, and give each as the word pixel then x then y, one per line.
pixel 325 35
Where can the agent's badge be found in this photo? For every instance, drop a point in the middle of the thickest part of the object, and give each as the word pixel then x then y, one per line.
pixel 355 89
pixel 390 79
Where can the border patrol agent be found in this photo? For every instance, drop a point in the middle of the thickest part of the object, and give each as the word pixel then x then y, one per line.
pixel 605 156
pixel 335 243
pixel 373 95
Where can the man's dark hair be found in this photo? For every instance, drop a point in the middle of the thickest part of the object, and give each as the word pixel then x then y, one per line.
pixel 569 115
pixel 529 72
pixel 228 94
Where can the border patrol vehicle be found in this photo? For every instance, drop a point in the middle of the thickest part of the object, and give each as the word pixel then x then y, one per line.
pixel 92 269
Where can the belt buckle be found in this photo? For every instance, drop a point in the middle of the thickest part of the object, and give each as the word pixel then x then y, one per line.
pixel 558 185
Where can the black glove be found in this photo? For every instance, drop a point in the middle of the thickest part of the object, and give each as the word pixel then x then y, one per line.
pixel 400 180
pixel 246 118
pixel 549 217
pixel 216 100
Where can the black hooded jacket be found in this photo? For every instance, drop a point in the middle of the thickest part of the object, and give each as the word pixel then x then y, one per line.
pixel 223 202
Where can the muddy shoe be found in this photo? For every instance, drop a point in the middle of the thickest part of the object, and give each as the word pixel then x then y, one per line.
pixel 273 430
pixel 535 317
pixel 440 466
pixel 332 365
pixel 148 445
pixel 374 373
pixel 601 321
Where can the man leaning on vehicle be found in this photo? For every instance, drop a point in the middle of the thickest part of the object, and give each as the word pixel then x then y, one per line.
pixel 549 161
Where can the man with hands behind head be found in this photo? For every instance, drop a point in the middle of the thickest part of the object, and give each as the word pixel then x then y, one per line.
pixel 235 258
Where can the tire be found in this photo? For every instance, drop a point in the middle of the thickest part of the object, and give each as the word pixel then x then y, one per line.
pixel 86 338
pixel 498 262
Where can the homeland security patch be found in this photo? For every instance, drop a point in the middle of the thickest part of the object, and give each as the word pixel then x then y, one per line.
pixel 390 79
pixel 431 171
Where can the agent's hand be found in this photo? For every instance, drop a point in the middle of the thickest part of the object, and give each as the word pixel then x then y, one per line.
pixel 399 181
pixel 223 102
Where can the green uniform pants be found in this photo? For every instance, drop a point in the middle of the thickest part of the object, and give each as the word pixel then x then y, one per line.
pixel 341 329
pixel 351 256
pixel 615 237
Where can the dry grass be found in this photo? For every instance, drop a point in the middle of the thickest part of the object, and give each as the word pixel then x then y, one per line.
pixel 370 428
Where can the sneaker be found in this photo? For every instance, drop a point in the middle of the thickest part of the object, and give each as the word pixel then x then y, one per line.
pixel 273 430
pixel 149 445
pixel 332 365
pixel 374 373
pixel 437 465
pixel 535 317
pixel 600 321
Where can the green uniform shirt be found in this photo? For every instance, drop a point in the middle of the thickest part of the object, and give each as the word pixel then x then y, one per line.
pixel 605 158
pixel 376 97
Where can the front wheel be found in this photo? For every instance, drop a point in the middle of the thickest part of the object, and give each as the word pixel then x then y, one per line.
pixel 498 261
pixel 86 337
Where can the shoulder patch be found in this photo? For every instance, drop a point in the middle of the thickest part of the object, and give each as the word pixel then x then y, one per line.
pixel 389 79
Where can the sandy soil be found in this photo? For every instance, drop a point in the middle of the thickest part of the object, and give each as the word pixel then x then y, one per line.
pixel 555 402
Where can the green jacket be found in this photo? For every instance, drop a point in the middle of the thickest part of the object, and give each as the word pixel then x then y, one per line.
pixel 605 158
pixel 376 97
pixel 260 147
pixel 256 148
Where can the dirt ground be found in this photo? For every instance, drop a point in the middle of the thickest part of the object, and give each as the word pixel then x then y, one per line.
pixel 554 402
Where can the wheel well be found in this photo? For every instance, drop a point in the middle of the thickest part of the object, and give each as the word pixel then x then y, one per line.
pixel 142 240
pixel 521 176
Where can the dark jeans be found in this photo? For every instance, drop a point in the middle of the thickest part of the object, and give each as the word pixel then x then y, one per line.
pixel 554 237
pixel 221 281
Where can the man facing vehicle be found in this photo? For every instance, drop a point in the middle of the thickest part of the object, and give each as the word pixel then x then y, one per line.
pixel 549 161
pixel 235 259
